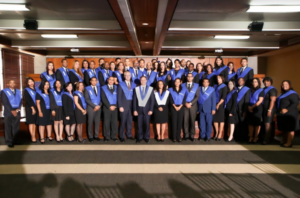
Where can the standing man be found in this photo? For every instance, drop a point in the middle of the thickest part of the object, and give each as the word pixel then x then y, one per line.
pixel 104 74
pixel 143 104
pixel 125 96
pixel 62 74
pixel 90 73
pixel 190 107
pixel 183 64
pixel 93 100
pixel 127 64
pixel 142 65
pixel 206 108
pixel 150 75
pixel 245 72
pixel 136 74
pixel 11 100
pixel 242 103
pixel 117 60
pixel 191 70
pixel 110 110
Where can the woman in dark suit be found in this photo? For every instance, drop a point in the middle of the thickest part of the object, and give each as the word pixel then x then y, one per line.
pixel 177 100
pixel 254 115
pixel 30 108
pixel 43 106
pixel 230 109
pixel 68 112
pixel 200 73
pixel 75 74
pixel 221 68
pixel 219 116
pixel 85 66
pixel 119 73
pixel 210 75
pixel 80 110
pixel 55 95
pixel 155 66
pixel 287 113
pixel 161 110
pixel 49 74
pixel 231 71
pixel 162 74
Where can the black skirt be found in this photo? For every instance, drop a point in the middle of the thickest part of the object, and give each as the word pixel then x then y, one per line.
pixel 70 121
pixel 45 120
pixel 161 117
pixel 220 114
pixel 230 119
pixel 79 117
pixel 58 114
pixel 266 118
pixel 255 118
pixel 30 119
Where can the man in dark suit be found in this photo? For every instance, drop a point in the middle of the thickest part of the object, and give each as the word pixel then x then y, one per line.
pixel 110 110
pixel 143 104
pixel 90 73
pixel 243 100
pixel 11 100
pixel 62 74
pixel 125 95
pixel 245 72
pixel 136 74
pixel 190 107
pixel 104 74
pixel 206 108
pixel 93 99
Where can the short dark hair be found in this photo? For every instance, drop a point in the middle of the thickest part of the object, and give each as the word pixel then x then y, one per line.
pixel 99 60
pixel 290 83
pixel 177 61
pixel 205 79
pixel 192 64
pixel 67 84
pixel 117 59
pixel 63 60
pixel 93 77
pixel 190 74
pixel 244 59
pixel 268 79
pixel 141 60
pixel 87 63
pixel 143 77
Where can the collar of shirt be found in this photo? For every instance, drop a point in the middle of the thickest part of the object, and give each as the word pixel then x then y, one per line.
pixel 189 84
pixel 204 88
pixel 12 90
pixel 240 87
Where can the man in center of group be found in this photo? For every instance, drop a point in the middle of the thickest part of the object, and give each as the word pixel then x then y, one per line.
pixel 142 65
pixel 62 74
pixel 104 74
pixel 136 74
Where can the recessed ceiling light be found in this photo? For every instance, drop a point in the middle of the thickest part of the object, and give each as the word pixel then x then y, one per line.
pixel 146 42
pixel 231 37
pixel 218 50
pixel 59 36
pixel 13 7
pixel 274 9
pixel 74 50
pixel 145 24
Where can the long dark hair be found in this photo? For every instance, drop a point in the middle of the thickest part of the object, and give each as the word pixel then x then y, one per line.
pixel 201 69
pixel 259 84
pixel 27 80
pixel 87 63
pixel 47 67
pixel 233 66
pixel 222 63
pixel 159 68
pixel 234 86
pixel 157 88
pixel 54 85
pixel 66 85
pixel 290 84
pixel 174 87
pixel 209 65
pixel 43 85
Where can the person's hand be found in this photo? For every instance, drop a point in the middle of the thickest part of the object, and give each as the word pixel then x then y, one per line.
pixel 53 113
pixel 250 109
pixel 269 114
pixel 160 109
pixel 150 113
pixel 112 108
pixel 40 114
pixel 14 113
pixel 283 111
pixel 169 78
pixel 83 112
pixel 96 108
pixel 121 109
pixel 244 114
pixel 33 111
pixel 135 113
pixel 217 106
pixel 213 112
pixel 68 118
pixel 188 105
pixel 230 114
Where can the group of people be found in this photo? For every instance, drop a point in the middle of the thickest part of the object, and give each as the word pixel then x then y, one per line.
pixel 215 95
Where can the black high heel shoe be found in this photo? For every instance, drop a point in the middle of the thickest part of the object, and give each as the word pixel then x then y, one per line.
pixel 41 141
pixel 162 140
pixel 68 138
pixel 48 138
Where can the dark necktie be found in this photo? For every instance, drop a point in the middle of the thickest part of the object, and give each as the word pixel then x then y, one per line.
pixel 94 72
pixel 189 87
pixel 136 73
pixel 128 85
pixel 148 74
pixel 95 90
pixel 242 69
pixel 107 72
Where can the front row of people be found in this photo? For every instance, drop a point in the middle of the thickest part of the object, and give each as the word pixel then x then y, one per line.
pixel 241 107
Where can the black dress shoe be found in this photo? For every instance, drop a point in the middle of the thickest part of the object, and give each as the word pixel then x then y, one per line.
pixel 131 138
pixel 162 140
pixel 179 140
pixel 192 139
pixel 91 139
pixel 185 138
pixel 138 141
pixel 82 141
pixel 115 139
pixel 147 141
pixel 200 139
pixel 207 140
pixel 96 138
pixel 174 140
pixel 106 140
pixel 10 145
pixel 122 140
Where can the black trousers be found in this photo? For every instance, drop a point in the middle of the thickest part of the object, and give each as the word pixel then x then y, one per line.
pixel 110 128
pixel 126 121
pixel 143 126
pixel 177 121
pixel 241 130
pixel 189 121
pixel 12 128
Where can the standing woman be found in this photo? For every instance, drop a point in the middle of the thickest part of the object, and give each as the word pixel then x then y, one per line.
pixel 75 74
pixel 68 111
pixel 230 109
pixel 85 66
pixel 219 117
pixel 119 73
pixel 231 71
pixel 43 106
pixel 169 64
pixel 162 74
pixel 30 108
pixel 80 110
pixel 161 110
pixel 55 95
pixel 210 75
pixel 49 74
pixel 221 68
pixel 255 110
pixel 112 66
pixel 200 74
pixel 155 66
pixel 177 100
pixel 287 113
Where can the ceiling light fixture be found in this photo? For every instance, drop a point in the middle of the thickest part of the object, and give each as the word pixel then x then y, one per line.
pixel 274 9
pixel 145 24
pixel 218 50
pixel 231 37
pixel 59 36
pixel 13 7
pixel 74 50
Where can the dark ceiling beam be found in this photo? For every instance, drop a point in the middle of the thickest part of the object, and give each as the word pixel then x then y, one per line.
pixel 5 41
pixel 78 32
pixel 163 22
pixel 124 16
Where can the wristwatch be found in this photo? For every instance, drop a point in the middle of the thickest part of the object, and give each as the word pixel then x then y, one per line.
pixel 269 110
pixel 191 103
